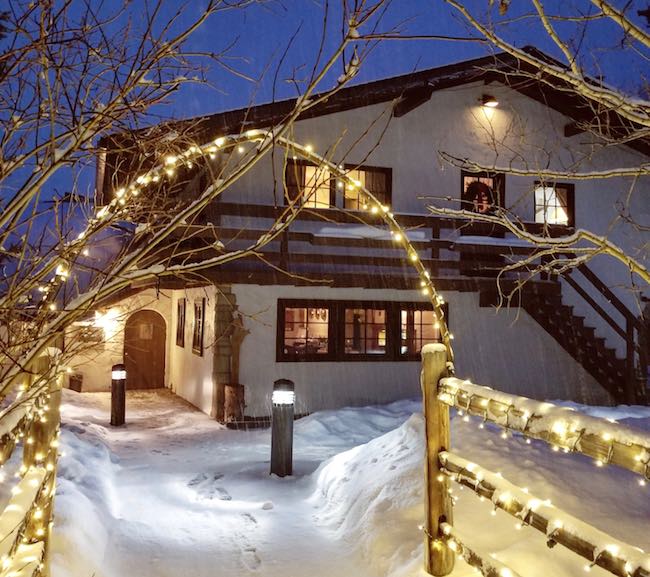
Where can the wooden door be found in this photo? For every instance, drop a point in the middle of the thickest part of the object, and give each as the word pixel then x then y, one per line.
pixel 144 350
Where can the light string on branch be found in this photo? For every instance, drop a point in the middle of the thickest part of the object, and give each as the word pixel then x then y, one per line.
pixel 595 546
pixel 606 442
pixel 167 169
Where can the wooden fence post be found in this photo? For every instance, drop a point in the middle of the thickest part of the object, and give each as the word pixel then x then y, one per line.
pixel 439 558
pixel 41 450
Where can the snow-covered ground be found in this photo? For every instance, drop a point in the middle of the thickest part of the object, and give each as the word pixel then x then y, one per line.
pixel 175 494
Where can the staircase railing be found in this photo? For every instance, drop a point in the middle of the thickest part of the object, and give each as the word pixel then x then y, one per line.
pixel 632 330
pixel 30 420
pixel 563 428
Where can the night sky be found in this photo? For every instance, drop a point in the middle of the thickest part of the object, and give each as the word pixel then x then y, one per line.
pixel 261 33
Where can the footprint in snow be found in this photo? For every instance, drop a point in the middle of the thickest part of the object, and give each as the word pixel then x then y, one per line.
pixel 250 559
pixel 206 487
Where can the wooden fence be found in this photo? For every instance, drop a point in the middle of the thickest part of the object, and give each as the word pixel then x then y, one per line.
pixel 607 443
pixel 29 420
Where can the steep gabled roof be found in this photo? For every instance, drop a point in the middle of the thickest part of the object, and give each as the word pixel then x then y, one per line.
pixel 407 91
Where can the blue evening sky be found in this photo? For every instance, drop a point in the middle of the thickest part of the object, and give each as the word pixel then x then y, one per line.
pixel 261 33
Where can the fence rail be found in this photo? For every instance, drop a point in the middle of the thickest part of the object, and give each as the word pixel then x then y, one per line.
pixel 31 420
pixel 561 427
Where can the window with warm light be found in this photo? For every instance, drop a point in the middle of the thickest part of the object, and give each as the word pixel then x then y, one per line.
pixel 375 180
pixel 418 328
pixel 322 190
pixel 365 331
pixel 482 192
pixel 306 331
pixel 327 330
pixel 554 204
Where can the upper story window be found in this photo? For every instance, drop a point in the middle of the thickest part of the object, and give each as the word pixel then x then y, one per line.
pixel 482 192
pixel 354 330
pixel 376 180
pixel 323 190
pixel 555 203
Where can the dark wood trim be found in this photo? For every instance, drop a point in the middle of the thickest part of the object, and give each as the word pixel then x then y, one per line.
pixel 412 99
pixel 588 298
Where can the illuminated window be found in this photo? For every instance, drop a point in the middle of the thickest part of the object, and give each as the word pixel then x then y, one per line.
pixel 418 328
pixel 306 331
pixel 482 192
pixel 354 330
pixel 376 180
pixel 314 182
pixel 322 190
pixel 365 331
pixel 554 204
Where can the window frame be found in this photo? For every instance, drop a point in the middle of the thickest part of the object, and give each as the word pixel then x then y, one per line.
pixel 337 199
pixel 181 314
pixel 499 185
pixel 336 330
pixel 197 339
pixel 570 202
pixel 284 304
pixel 388 173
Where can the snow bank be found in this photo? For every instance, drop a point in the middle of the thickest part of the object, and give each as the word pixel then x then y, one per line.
pixel 86 474
pixel 372 496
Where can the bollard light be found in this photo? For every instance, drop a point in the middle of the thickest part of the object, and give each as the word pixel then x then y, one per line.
pixel 118 394
pixel 118 373
pixel 283 399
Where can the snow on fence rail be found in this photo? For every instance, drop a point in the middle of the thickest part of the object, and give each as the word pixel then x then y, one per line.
pixel 562 428
pixel 32 417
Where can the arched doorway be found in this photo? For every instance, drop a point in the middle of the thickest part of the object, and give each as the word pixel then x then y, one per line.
pixel 144 350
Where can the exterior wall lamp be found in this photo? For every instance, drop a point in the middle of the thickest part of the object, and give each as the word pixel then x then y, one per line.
pixel 489 101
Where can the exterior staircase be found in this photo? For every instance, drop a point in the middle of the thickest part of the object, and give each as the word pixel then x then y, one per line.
pixel 580 341
pixel 569 330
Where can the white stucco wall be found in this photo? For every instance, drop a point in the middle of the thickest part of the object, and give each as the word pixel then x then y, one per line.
pixel 454 122
pixel 517 357
pixel 94 362
pixel 191 374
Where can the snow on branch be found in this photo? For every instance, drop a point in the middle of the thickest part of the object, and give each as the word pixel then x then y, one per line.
pixel 544 174
pixel 600 244
pixel 597 547
pixel 562 427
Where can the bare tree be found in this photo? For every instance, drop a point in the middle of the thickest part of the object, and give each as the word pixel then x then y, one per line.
pixel 71 75
pixel 609 117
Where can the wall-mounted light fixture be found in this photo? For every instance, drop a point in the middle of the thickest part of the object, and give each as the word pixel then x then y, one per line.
pixel 489 101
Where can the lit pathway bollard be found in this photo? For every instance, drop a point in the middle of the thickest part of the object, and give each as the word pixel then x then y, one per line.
pixel 118 394
pixel 282 428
